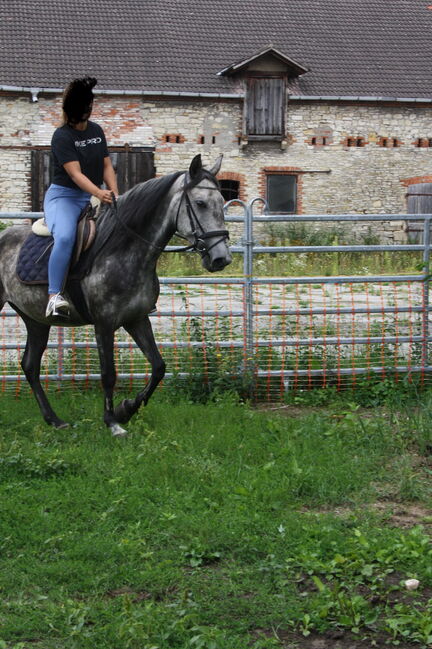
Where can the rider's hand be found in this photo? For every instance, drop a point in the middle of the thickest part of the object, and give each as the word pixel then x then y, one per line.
pixel 104 196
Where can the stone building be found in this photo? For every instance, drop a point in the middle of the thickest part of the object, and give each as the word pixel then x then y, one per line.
pixel 318 107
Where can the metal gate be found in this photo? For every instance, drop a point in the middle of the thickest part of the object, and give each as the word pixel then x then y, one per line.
pixel 266 335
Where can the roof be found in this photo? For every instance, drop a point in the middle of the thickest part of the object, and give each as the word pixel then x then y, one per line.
pixel 350 47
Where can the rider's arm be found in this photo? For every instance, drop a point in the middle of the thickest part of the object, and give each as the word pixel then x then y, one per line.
pixel 109 176
pixel 73 169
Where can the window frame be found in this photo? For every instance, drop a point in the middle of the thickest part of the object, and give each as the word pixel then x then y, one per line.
pixel 230 189
pixel 293 175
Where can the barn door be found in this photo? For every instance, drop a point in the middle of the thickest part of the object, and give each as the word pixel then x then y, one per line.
pixel 41 174
pixel 132 166
pixel 419 201
pixel 265 107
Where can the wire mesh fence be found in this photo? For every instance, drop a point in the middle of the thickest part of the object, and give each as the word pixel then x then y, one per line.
pixel 263 336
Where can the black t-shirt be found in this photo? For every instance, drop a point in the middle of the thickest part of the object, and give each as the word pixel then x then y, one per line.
pixel 88 147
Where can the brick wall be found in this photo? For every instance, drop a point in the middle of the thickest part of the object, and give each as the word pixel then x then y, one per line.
pixel 332 177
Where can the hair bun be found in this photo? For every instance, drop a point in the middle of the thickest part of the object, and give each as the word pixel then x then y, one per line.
pixel 88 82
pixel 78 97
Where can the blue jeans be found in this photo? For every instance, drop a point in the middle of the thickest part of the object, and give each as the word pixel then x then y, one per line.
pixel 62 206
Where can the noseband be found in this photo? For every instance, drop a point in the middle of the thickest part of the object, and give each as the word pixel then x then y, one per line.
pixel 197 231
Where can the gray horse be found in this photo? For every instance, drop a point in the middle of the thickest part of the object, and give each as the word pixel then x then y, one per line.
pixel 121 286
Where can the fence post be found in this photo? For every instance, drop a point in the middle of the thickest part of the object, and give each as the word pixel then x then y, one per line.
pixel 426 280
pixel 249 282
pixel 248 289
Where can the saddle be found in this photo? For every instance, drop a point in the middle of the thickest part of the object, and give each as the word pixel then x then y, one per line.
pixel 32 265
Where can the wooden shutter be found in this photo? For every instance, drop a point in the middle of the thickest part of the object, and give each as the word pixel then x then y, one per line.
pixel 419 201
pixel 132 167
pixel 41 175
pixel 265 108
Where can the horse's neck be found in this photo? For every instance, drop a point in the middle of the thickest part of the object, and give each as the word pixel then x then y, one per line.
pixel 144 242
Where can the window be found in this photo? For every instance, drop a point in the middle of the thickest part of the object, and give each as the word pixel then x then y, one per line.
pixel 265 108
pixel 229 189
pixel 282 193
pixel 132 166
pixel 318 140
pixel 423 142
pixel 355 141
pixel 389 142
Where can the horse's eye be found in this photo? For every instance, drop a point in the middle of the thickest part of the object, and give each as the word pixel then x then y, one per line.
pixel 201 203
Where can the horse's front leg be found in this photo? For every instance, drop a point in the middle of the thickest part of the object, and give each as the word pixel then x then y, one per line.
pixel 105 343
pixel 142 333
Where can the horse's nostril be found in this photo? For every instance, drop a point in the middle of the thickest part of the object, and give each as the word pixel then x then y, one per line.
pixel 219 263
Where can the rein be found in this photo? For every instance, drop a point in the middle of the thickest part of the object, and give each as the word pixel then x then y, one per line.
pixel 131 233
pixel 197 231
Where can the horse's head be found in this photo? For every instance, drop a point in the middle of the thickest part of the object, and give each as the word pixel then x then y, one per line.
pixel 200 215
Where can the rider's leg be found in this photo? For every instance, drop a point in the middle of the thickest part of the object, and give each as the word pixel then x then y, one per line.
pixel 62 207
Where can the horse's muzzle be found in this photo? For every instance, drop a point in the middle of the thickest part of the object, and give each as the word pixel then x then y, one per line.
pixel 216 258
pixel 219 263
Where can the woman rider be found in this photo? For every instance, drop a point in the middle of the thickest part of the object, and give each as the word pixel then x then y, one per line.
pixel 81 164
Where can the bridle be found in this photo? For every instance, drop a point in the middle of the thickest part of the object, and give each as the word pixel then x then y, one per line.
pixel 197 231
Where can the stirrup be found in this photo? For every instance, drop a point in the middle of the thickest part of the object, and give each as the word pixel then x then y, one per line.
pixel 57 306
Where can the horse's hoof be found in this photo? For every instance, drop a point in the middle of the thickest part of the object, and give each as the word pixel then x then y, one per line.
pixel 60 424
pixel 118 431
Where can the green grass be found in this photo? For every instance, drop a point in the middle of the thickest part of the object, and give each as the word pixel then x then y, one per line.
pixel 298 264
pixel 214 526
pixel 303 264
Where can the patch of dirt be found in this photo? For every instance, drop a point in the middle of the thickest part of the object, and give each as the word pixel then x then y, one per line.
pixel 336 639
pixel 403 515
pixel 287 411
pixel 140 595
pixel 136 596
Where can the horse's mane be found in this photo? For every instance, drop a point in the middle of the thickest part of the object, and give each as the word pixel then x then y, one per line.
pixel 133 207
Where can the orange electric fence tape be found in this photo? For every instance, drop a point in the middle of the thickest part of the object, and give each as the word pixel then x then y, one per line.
pixel 203 335
pixel 324 334
pixel 338 336
pixel 353 335
pixel 383 330
pixel 410 344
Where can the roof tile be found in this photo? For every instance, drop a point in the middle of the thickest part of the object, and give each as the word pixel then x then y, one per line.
pixel 352 47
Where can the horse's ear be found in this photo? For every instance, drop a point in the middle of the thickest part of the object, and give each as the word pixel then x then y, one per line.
pixel 195 166
pixel 216 167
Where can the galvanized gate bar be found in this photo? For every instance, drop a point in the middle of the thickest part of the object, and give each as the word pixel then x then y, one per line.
pixel 247 312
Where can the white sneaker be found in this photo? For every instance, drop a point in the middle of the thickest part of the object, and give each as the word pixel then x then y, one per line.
pixel 57 306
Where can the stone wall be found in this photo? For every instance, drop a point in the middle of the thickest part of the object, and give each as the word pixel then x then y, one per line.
pixel 332 176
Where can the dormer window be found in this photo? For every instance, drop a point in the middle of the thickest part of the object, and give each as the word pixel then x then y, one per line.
pixel 266 75
pixel 265 105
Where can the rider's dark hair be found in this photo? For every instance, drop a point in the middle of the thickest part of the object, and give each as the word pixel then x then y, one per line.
pixel 78 100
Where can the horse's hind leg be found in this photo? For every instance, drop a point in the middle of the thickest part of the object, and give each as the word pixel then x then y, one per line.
pixel 142 333
pixel 37 340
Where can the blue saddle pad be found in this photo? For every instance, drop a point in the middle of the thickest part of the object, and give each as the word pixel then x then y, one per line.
pixel 32 265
